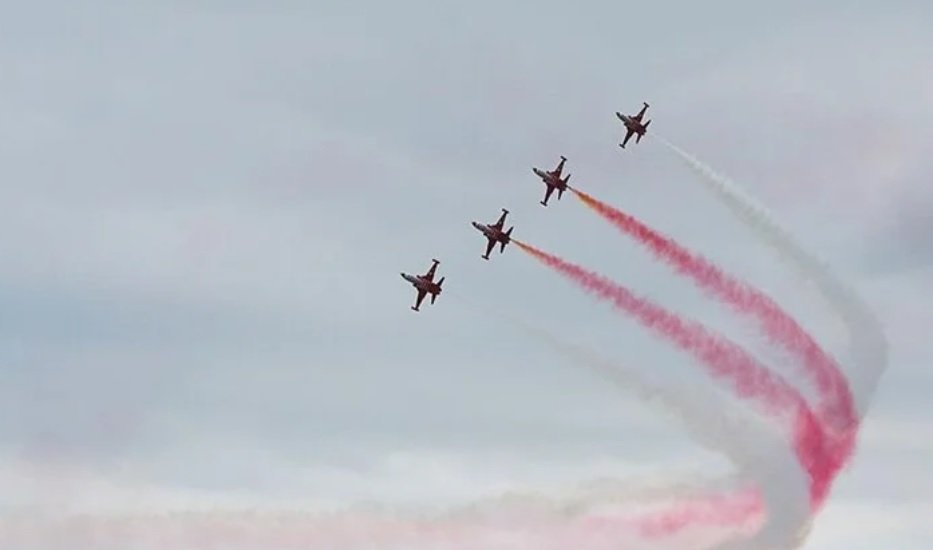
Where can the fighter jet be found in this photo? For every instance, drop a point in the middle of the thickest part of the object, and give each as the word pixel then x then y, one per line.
pixel 633 125
pixel 552 180
pixel 425 285
pixel 494 234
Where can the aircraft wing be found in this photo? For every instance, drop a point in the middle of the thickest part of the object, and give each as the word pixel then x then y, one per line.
pixel 420 298
pixel 430 274
pixel 560 168
pixel 628 135
pixel 489 246
pixel 641 114
pixel 501 221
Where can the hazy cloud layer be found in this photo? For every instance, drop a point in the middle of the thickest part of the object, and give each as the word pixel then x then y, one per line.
pixel 204 207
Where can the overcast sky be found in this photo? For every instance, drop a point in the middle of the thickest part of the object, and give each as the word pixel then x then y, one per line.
pixel 205 207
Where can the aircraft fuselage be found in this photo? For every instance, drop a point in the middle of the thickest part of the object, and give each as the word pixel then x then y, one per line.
pixel 491 232
pixel 419 282
pixel 632 123
pixel 550 179
pixel 484 229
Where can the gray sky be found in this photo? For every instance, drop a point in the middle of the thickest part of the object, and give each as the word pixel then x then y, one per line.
pixel 204 207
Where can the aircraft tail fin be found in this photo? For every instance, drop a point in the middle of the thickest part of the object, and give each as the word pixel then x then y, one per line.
pixel 642 133
pixel 434 295
pixel 505 242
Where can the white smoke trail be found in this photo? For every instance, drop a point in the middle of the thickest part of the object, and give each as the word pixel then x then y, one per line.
pixel 868 348
pixel 764 461
pixel 534 520
pixel 868 344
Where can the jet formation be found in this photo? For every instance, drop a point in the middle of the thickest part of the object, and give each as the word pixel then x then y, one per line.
pixel 495 233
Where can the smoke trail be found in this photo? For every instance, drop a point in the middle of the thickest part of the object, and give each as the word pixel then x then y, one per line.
pixel 868 344
pixel 837 409
pixel 704 416
pixel 538 521
pixel 255 531
pixel 723 359
pixel 868 347
pixel 532 518
pixel 706 421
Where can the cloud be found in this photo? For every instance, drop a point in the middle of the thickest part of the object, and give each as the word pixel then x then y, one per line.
pixel 204 210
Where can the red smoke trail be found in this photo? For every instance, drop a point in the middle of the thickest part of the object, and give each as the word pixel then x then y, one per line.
pixel 838 409
pixel 293 530
pixel 722 358
pixel 722 510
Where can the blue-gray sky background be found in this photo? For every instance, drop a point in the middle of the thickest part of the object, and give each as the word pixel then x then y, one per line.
pixel 204 208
